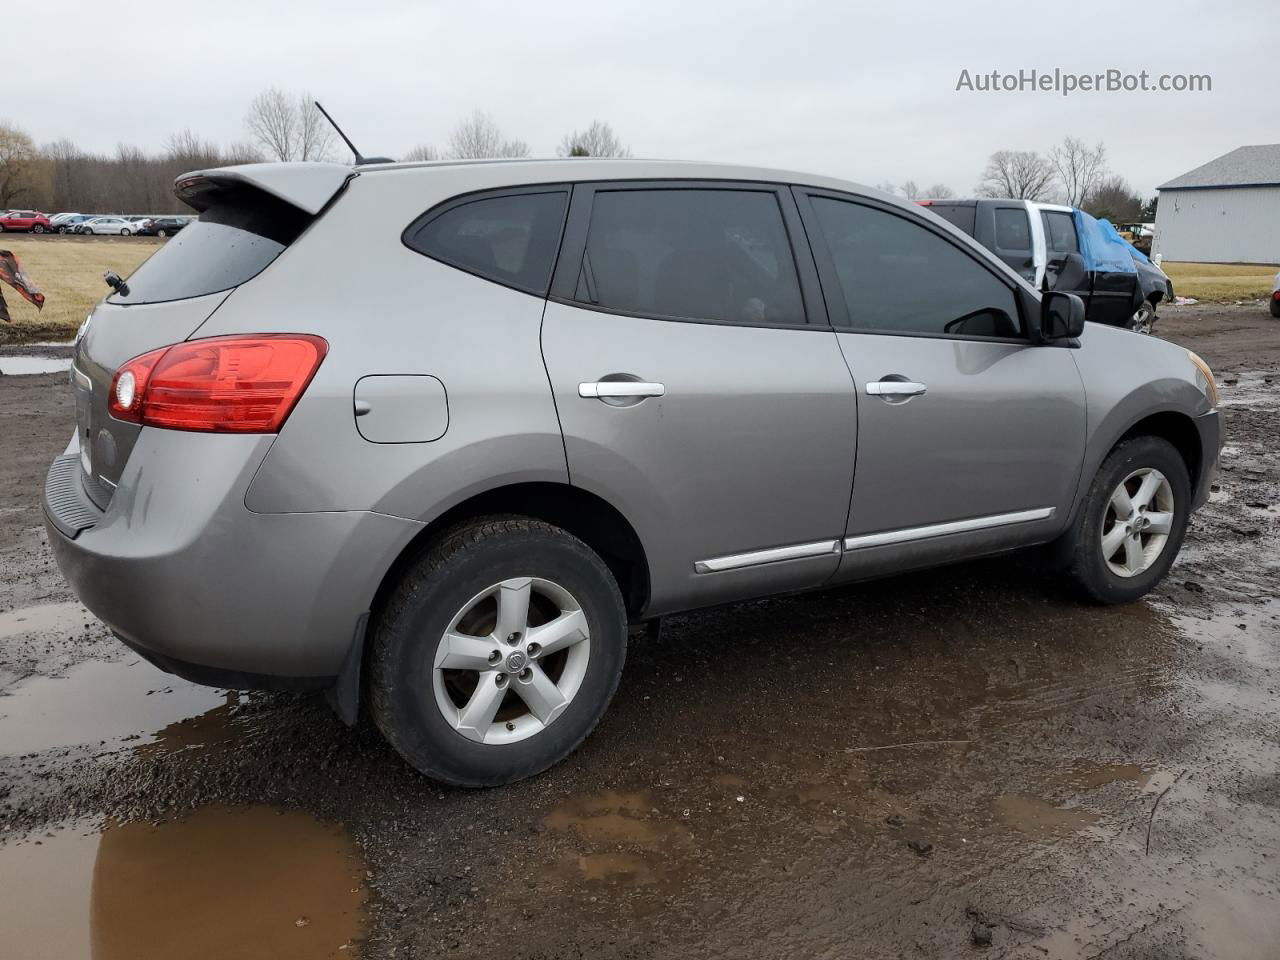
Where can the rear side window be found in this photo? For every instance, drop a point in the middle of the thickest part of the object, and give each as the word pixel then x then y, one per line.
pixel 691 254
pixel 1060 232
pixel 899 277
pixel 958 215
pixel 511 239
pixel 1013 229
pixel 232 242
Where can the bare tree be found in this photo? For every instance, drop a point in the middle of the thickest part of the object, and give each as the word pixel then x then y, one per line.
pixel 910 190
pixel 598 140
pixel 17 165
pixel 1017 175
pixel 1114 199
pixel 242 152
pixel 315 134
pixel 423 151
pixel 479 137
pixel 189 152
pixel 273 124
pixel 939 191
pixel 884 186
pixel 1079 168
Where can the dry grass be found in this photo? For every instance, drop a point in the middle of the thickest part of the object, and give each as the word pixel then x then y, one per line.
pixel 1221 281
pixel 69 271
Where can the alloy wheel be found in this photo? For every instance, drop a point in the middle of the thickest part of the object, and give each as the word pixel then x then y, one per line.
pixel 511 660
pixel 1137 522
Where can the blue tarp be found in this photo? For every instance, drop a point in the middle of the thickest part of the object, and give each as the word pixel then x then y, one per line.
pixel 1134 251
pixel 1102 248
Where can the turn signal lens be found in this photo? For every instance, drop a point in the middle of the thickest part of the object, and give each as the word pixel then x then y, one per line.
pixel 231 384
pixel 1209 385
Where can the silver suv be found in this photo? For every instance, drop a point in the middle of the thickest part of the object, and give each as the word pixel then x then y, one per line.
pixel 431 435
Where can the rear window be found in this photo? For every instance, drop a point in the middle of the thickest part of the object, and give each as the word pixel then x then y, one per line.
pixel 1060 232
pixel 511 239
pixel 958 215
pixel 232 242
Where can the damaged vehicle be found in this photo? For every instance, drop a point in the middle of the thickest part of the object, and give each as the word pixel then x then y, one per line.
pixel 1055 247
pixel 430 436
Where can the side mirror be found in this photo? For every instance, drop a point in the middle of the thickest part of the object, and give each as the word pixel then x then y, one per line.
pixel 1061 316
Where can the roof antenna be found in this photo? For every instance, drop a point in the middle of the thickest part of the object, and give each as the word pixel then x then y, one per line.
pixel 360 158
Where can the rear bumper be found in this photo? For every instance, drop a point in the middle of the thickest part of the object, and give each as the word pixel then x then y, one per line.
pixel 182 571
pixel 1209 427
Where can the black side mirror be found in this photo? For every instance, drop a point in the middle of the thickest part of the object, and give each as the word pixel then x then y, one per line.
pixel 1061 316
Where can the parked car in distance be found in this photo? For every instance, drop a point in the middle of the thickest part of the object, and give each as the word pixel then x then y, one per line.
pixel 164 226
pixel 279 482
pixel 24 221
pixel 1057 247
pixel 58 223
pixel 108 226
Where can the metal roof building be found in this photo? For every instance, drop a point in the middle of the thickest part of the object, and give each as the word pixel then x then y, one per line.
pixel 1227 211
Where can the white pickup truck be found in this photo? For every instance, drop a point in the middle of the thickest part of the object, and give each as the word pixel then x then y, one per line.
pixel 1056 247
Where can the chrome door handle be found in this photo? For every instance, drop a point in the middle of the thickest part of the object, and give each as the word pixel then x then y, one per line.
pixel 603 389
pixel 896 388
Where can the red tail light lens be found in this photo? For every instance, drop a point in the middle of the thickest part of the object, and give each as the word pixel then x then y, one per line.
pixel 219 385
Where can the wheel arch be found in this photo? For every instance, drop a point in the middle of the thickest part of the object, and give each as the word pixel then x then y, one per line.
pixel 589 517
pixel 1179 430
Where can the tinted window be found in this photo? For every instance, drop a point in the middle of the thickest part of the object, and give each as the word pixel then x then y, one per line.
pixel 898 277
pixel 1059 233
pixel 510 239
pixel 961 215
pixel 692 254
pixel 1013 229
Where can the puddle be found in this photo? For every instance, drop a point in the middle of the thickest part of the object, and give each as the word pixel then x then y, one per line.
pixel 253 884
pixel 1038 817
pixel 615 866
pixel 100 701
pixel 609 818
pixel 1086 775
pixel 28 365
pixel 69 617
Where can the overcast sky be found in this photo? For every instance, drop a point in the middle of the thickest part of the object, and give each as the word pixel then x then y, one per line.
pixel 865 91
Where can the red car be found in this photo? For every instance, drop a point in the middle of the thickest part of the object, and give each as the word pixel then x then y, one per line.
pixel 24 221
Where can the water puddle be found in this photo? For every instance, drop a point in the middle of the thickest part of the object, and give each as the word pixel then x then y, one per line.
pixel 1087 775
pixel 608 822
pixel 254 884
pixel 69 617
pixel 1038 817
pixel 101 701
pixel 10 366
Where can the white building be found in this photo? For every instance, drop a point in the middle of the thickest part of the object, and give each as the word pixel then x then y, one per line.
pixel 1227 211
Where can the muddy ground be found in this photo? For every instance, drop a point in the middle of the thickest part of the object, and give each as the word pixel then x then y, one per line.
pixel 961 762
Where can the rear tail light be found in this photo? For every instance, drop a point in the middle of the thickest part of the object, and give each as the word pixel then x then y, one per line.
pixel 237 384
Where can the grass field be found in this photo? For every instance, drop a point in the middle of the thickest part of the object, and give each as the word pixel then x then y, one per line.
pixel 69 271
pixel 1221 281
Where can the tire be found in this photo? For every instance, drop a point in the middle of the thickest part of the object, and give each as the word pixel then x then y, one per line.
pixel 1275 307
pixel 161 234
pixel 1135 463
pixel 1144 319
pixel 38 228
pixel 62 230
pixel 124 232
pixel 455 588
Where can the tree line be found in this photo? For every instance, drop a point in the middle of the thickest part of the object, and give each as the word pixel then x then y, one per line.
pixel 60 176
pixel 283 126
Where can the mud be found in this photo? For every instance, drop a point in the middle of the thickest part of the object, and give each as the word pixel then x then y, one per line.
pixel 894 769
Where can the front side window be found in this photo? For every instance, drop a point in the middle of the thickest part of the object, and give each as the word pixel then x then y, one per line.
pixel 899 277
pixel 720 255
pixel 1059 234
pixel 511 239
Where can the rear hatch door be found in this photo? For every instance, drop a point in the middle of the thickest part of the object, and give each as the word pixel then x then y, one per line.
pixel 247 219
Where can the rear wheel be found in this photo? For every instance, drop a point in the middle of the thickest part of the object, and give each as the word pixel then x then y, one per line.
pixel 38 228
pixel 498 653
pixel 124 232
pixel 161 233
pixel 1132 522
pixel 1275 307
pixel 1144 320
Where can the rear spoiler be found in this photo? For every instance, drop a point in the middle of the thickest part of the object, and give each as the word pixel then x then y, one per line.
pixel 307 186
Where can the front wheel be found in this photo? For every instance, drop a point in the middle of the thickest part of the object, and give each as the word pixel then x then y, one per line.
pixel 124 233
pixel 498 653
pixel 38 228
pixel 1275 307
pixel 161 233
pixel 1144 319
pixel 1132 522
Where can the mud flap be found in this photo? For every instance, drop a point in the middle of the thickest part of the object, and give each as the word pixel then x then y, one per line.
pixel 344 695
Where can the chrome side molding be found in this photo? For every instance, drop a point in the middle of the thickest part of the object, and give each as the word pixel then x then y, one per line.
pixel 796 551
pixel 908 534
pixel 820 548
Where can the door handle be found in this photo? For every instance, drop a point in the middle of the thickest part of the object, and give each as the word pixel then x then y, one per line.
pixel 607 389
pixel 896 388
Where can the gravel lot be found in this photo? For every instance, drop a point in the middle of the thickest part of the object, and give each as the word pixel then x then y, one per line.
pixel 958 761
